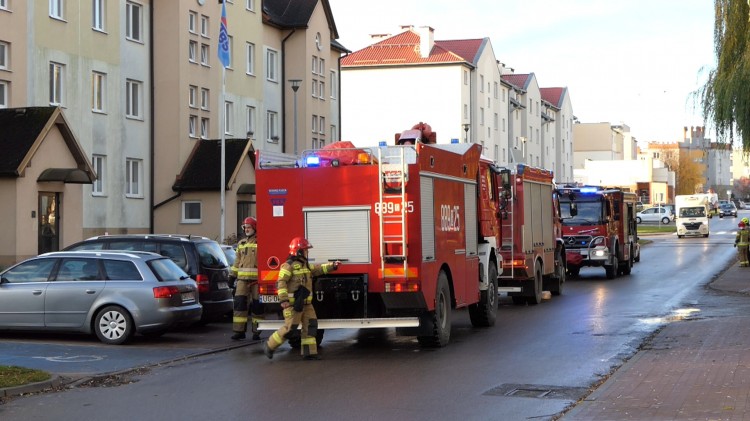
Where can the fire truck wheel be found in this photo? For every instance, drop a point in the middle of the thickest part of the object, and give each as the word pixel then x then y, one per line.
pixel 536 298
pixel 627 267
pixel 441 317
pixel 484 313
pixel 560 270
pixel 612 270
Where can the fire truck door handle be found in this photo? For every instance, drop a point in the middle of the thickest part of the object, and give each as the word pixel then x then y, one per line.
pixel 319 295
pixel 355 295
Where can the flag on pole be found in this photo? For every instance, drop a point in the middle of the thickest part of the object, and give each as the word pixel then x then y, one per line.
pixel 224 37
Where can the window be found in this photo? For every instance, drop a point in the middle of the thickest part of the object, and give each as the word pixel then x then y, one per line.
pixel 481 116
pixel 466 111
pixel 228 107
pixel 314 123
pixel 314 88
pixel 133 100
pixel 56 83
pixel 272 126
pixel 4 55
pixel 204 98
pixel 204 54
pixel 250 121
pixel 481 83
pixel 333 133
pixel 133 22
pixel 192 123
pixel 133 168
pixel 56 8
pixel 97 91
pixel 250 5
pixel 204 127
pixel 192 95
pixel 230 44
pixel 192 18
pixel 333 84
pixel 97 188
pixel 204 26
pixel 271 58
pixel 250 58
pixel 466 77
pixel 322 90
pixel 191 212
pixel 4 4
pixel 322 126
pixel 97 18
pixel 192 47
pixel 4 94
pixel 494 89
pixel 314 65
pixel 322 67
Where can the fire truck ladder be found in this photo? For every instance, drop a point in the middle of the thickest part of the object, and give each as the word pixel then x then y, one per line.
pixel 394 172
pixel 508 226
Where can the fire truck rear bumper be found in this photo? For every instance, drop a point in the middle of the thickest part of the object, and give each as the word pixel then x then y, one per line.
pixel 349 323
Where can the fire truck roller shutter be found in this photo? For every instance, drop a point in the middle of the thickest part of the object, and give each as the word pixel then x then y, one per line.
pixel 470 206
pixel 328 227
pixel 428 218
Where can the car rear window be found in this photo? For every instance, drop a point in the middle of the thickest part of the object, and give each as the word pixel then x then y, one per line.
pixel 121 270
pixel 211 255
pixel 87 246
pixel 166 270
pixel 135 245
pixel 175 252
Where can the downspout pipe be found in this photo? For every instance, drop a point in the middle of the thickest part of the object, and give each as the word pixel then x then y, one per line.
pixel 283 88
pixel 152 129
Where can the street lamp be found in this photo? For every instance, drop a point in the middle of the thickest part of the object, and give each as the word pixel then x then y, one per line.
pixel 295 85
pixel 466 132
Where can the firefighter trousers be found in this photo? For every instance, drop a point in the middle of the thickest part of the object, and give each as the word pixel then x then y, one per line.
pixel 743 254
pixel 246 299
pixel 292 319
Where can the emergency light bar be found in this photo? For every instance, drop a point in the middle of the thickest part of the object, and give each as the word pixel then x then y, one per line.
pixel 588 190
pixel 312 161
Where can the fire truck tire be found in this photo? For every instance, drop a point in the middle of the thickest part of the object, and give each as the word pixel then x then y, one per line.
pixel 627 267
pixel 484 313
pixel 296 340
pixel 560 272
pixel 612 270
pixel 441 317
pixel 537 286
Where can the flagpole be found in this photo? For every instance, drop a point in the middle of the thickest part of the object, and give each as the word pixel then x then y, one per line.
pixel 223 150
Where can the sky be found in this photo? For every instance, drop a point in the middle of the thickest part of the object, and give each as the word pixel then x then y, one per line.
pixel 634 62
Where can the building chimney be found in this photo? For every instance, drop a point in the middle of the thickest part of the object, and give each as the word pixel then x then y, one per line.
pixel 426 40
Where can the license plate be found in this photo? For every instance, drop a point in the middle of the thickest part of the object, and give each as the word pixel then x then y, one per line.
pixel 223 285
pixel 188 296
pixel 267 299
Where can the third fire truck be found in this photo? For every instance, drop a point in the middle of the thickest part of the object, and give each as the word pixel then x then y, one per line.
pixel 599 229
pixel 532 247
pixel 414 226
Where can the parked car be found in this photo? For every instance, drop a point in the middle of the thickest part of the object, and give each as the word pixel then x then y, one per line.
pixel 741 205
pixel 231 255
pixel 727 209
pixel 201 257
pixel 655 214
pixel 111 294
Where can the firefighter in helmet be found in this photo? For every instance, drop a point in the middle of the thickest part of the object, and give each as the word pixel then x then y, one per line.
pixel 245 271
pixel 295 285
pixel 742 241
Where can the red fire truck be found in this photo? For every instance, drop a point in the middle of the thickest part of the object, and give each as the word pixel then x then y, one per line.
pixel 599 229
pixel 415 227
pixel 532 247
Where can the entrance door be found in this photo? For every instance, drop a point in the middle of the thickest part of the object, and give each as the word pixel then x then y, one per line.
pixel 49 222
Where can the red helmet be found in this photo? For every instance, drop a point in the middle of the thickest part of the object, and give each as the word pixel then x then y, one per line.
pixel 297 244
pixel 250 221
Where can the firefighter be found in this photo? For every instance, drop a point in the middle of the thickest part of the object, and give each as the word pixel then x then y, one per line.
pixel 742 241
pixel 295 286
pixel 245 271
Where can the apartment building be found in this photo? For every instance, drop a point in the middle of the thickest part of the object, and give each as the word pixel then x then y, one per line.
pixel 142 91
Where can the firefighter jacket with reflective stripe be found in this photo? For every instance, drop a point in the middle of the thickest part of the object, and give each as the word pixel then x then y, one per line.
pixel 245 266
pixel 743 237
pixel 296 273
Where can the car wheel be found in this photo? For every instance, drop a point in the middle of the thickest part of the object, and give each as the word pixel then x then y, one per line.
pixel 665 220
pixel 638 220
pixel 113 325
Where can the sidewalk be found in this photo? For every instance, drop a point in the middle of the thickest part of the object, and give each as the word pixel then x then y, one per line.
pixel 692 370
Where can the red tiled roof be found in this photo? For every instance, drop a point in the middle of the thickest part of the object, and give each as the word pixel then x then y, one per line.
pixel 404 49
pixel 553 95
pixel 517 79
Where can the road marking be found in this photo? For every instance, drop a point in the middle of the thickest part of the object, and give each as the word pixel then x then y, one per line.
pixel 72 359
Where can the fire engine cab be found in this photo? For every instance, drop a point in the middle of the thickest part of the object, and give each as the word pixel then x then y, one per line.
pixel 414 226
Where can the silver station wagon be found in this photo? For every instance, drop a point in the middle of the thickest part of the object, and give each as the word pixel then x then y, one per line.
pixel 111 294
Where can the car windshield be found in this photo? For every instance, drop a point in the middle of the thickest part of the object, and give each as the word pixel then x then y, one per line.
pixel 167 270
pixel 589 213
pixel 211 255
pixel 697 212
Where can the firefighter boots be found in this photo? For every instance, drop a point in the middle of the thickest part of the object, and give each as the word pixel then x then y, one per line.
pixel 238 336
pixel 267 351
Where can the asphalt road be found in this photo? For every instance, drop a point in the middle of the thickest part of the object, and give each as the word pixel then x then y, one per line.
pixel 534 364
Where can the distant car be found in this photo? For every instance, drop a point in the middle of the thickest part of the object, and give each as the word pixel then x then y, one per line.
pixel 111 294
pixel 741 205
pixel 727 209
pixel 656 214
pixel 230 253
pixel 201 257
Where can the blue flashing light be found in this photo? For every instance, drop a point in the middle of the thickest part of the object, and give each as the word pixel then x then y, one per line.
pixel 382 143
pixel 454 140
pixel 589 190
pixel 312 161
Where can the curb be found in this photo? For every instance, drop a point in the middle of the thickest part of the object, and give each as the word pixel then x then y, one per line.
pixel 57 381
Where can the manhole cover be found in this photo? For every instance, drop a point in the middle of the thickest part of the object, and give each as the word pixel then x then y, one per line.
pixel 537 391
